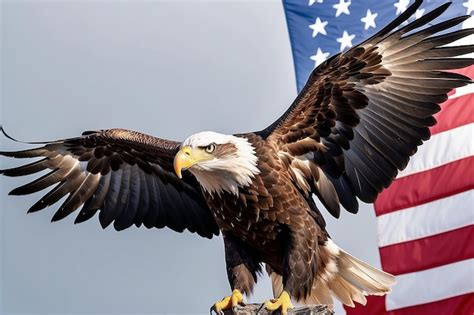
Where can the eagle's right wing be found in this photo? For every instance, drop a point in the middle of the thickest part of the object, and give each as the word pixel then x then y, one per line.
pixel 364 112
pixel 126 175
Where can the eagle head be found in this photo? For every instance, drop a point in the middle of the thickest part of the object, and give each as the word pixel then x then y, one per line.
pixel 219 162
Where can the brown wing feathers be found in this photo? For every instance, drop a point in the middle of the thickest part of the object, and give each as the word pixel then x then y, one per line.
pixel 124 174
pixel 363 113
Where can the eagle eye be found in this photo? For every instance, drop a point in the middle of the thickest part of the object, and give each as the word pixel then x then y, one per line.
pixel 210 148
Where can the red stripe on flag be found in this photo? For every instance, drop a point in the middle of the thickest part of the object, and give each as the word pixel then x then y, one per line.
pixel 454 113
pixel 375 306
pixel 468 71
pixel 423 187
pixel 462 304
pixel 428 252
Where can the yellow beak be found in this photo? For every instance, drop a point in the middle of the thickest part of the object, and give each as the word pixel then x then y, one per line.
pixel 183 160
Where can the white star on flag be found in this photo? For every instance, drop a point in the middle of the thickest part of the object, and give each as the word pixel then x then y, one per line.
pixel 342 7
pixel 320 57
pixel 345 40
pixel 469 5
pixel 369 19
pixel 311 2
pixel 419 13
pixel 318 27
pixel 401 5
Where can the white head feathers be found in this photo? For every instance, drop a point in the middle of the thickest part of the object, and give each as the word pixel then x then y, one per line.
pixel 233 169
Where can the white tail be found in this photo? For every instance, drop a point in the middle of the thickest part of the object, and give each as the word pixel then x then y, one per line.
pixel 349 282
pixel 355 279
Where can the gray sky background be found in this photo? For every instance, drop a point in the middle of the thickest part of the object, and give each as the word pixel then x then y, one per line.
pixel 169 69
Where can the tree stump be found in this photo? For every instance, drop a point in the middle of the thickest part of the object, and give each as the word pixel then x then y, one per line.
pixel 251 309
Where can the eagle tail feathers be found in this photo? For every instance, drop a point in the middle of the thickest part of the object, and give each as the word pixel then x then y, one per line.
pixel 350 282
pixel 353 280
pixel 345 277
pixel 363 276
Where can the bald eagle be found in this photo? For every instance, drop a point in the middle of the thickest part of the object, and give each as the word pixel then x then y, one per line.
pixel 354 125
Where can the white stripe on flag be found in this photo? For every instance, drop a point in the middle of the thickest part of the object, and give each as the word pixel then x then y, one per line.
pixel 445 147
pixel 468 89
pixel 469 40
pixel 428 219
pixel 432 285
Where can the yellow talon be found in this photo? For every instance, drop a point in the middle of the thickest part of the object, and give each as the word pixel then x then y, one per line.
pixel 283 302
pixel 228 302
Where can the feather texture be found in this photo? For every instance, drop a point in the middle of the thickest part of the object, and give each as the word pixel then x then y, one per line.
pixel 362 113
pixel 126 175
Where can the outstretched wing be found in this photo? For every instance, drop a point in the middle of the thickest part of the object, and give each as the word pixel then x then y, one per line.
pixel 363 113
pixel 126 175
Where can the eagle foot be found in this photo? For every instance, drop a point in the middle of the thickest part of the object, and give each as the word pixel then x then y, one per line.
pixel 236 298
pixel 283 303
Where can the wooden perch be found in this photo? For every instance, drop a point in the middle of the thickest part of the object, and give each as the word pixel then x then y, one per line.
pixel 251 309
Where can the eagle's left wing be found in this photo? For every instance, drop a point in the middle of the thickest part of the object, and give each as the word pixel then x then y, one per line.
pixel 124 175
pixel 363 113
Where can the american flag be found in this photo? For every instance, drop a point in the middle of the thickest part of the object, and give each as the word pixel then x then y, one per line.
pixel 425 219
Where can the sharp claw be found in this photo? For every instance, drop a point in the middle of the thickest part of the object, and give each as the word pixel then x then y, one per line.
pixel 282 303
pixel 228 302
pixel 260 308
pixel 213 309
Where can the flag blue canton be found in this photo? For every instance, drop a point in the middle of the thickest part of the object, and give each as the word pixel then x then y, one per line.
pixel 320 29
